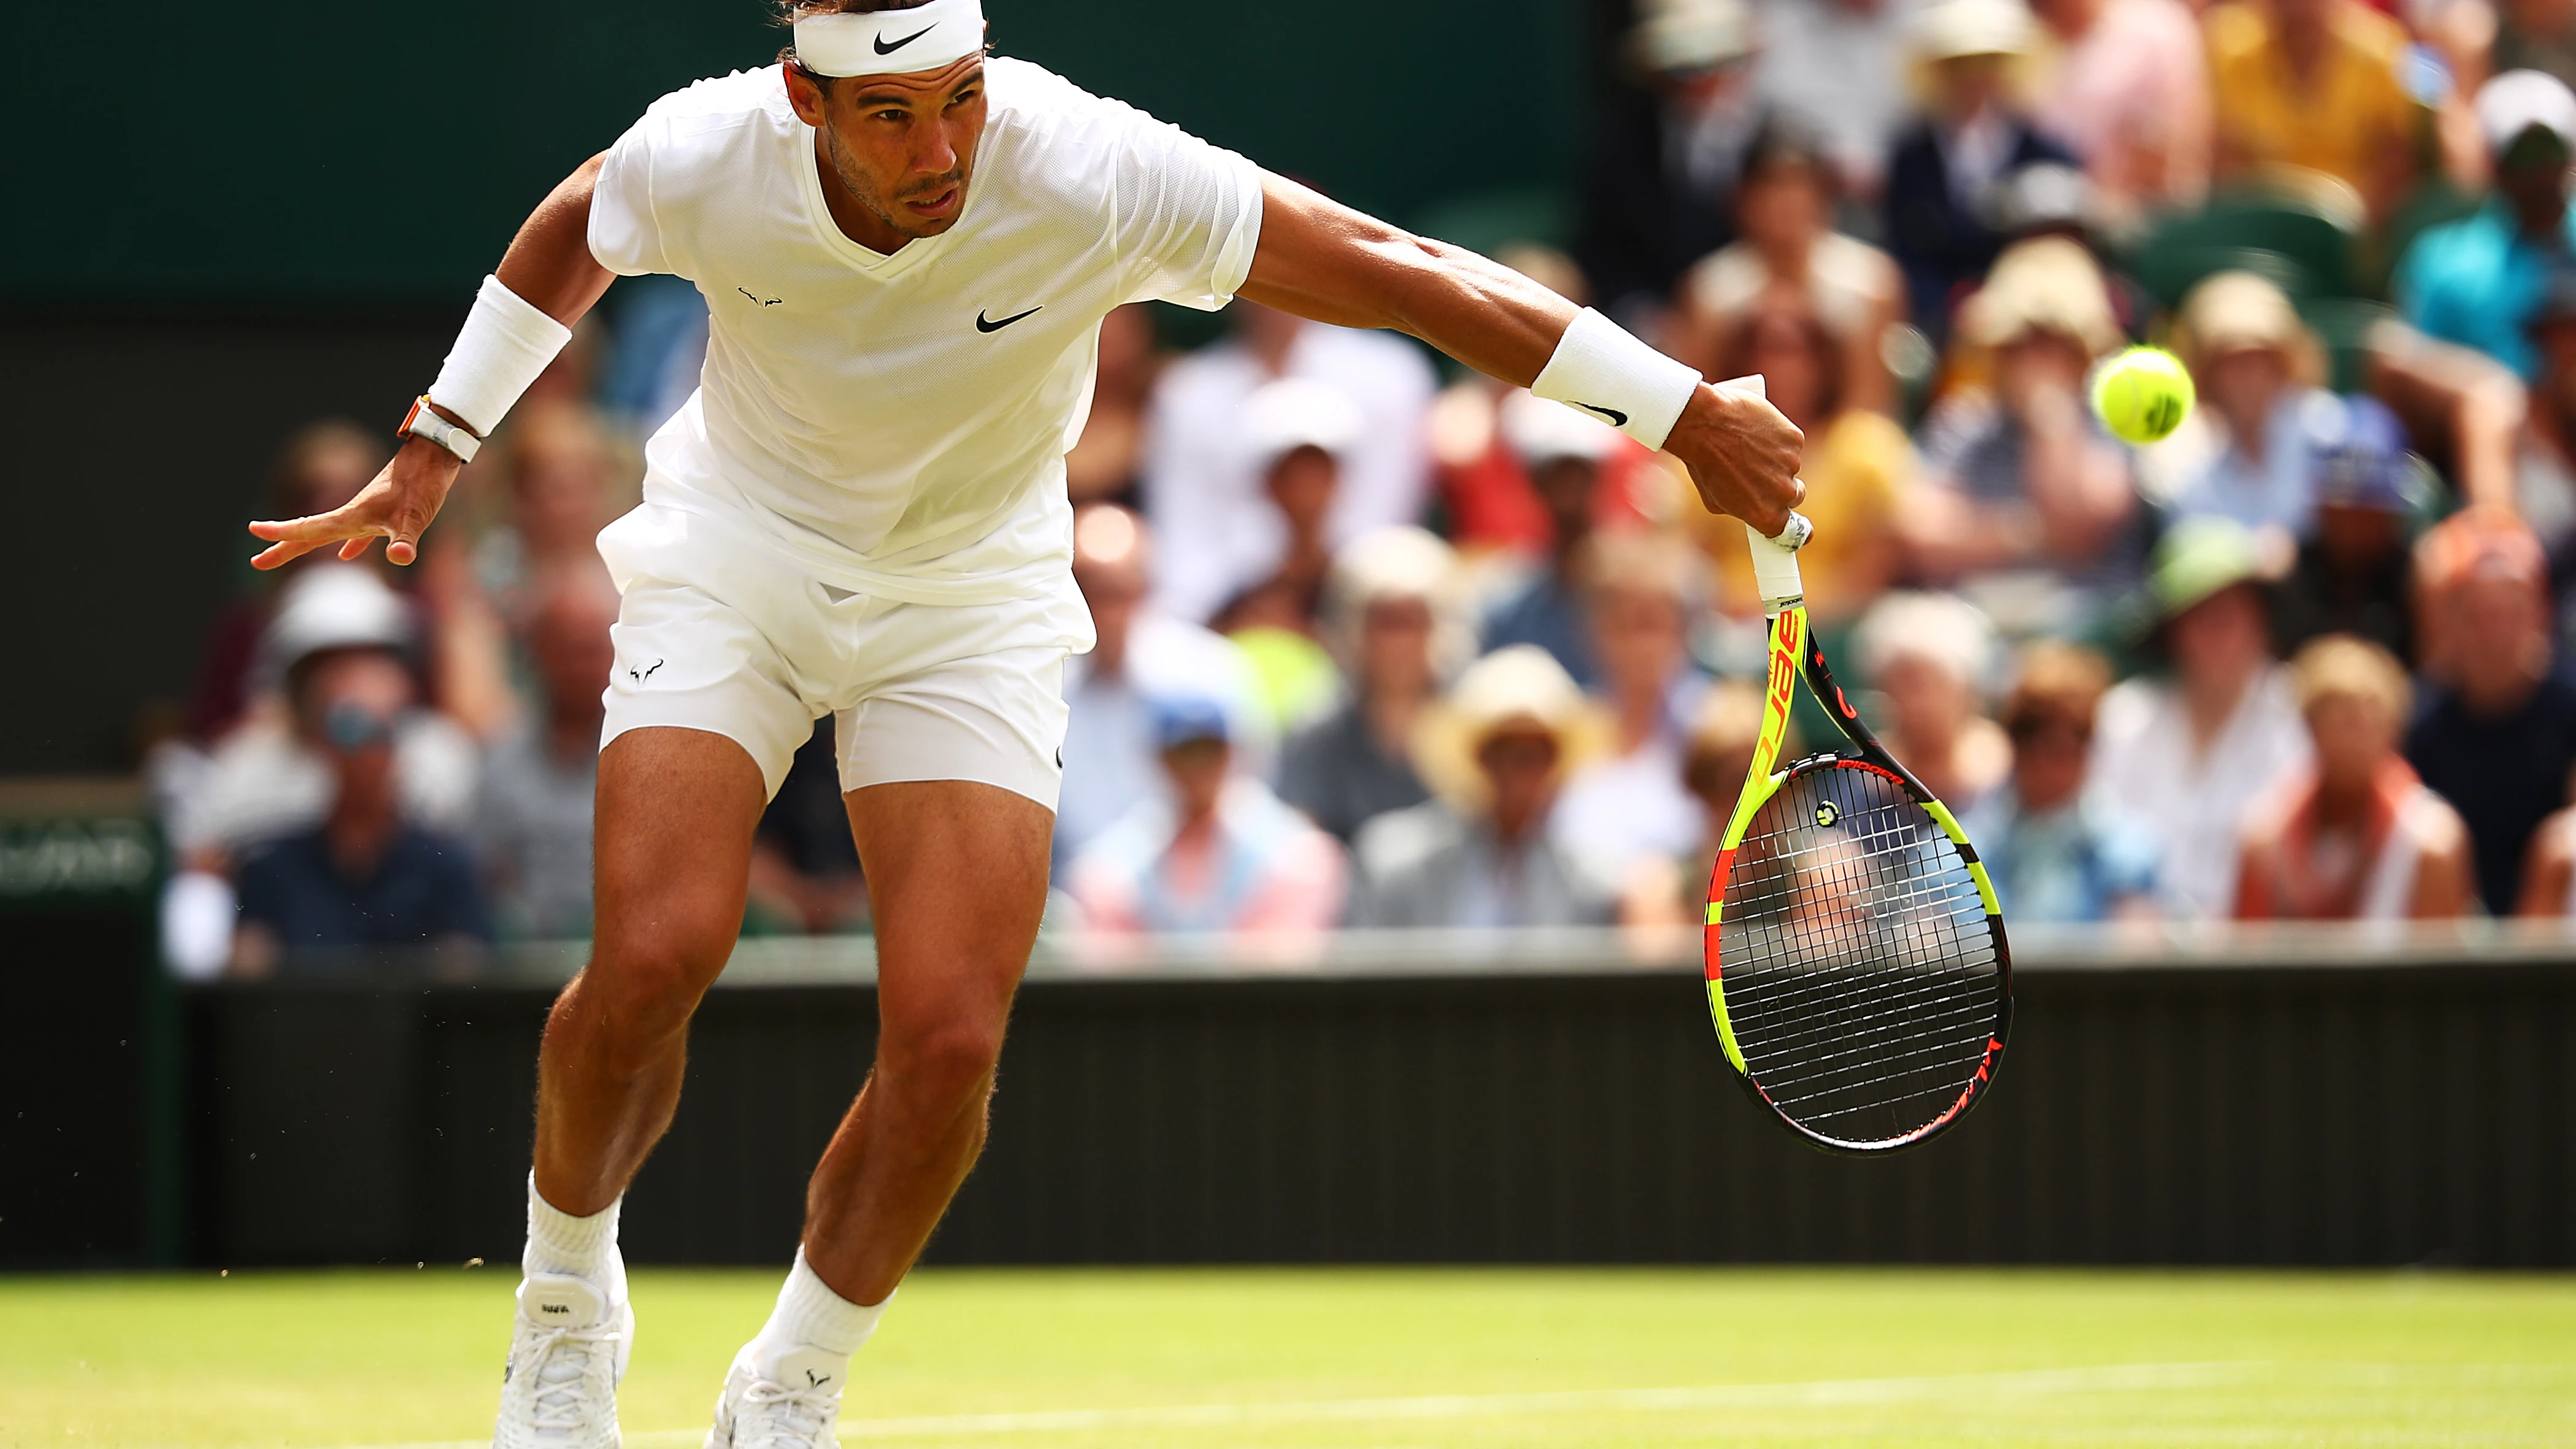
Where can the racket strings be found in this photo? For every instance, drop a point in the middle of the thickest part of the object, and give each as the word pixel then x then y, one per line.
pixel 1857 963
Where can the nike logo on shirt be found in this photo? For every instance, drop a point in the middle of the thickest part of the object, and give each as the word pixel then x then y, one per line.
pixel 988 324
pixel 1617 418
pixel 885 49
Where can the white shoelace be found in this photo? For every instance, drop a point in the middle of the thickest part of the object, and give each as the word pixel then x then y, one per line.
pixel 778 1416
pixel 561 1358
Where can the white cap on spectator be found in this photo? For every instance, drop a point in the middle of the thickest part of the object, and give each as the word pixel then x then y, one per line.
pixel 1296 412
pixel 1688 35
pixel 333 606
pixel 1399 561
pixel 1538 431
pixel 1949 29
pixel 1396 562
pixel 2518 100
pixel 1944 629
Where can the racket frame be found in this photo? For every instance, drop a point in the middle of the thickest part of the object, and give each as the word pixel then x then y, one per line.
pixel 1795 656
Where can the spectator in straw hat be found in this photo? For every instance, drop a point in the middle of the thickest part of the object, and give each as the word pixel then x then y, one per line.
pixel 2497 731
pixel 2313 86
pixel 1481 853
pixel 2263 419
pixel 2478 281
pixel 2356 836
pixel 2182 750
pixel 1389 618
pixel 1941 180
pixel 2022 482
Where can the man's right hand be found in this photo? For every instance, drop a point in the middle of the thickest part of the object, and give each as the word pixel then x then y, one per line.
pixel 395 507
pixel 1742 454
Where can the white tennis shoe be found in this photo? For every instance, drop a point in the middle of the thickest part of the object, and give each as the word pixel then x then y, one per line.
pixel 789 1403
pixel 559 1388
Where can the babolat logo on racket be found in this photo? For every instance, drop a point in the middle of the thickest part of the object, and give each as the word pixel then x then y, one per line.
pixel 1827 814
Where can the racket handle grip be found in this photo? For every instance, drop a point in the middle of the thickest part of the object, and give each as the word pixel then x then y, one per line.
pixel 1775 560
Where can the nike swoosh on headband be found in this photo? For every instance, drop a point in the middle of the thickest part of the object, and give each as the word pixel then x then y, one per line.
pixel 884 49
pixel 1617 418
pixel 987 324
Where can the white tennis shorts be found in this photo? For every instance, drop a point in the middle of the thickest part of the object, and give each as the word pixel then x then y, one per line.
pixel 716 633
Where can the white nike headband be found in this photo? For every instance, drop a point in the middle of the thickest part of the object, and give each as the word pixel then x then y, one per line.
pixel 891 42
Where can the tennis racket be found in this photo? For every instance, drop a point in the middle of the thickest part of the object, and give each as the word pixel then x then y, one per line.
pixel 1857 968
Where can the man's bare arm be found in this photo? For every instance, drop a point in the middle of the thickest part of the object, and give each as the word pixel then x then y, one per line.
pixel 549 265
pixel 1324 261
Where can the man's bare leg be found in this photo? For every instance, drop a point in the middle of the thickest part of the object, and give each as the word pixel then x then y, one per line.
pixel 957 873
pixel 674 819
pixel 674 824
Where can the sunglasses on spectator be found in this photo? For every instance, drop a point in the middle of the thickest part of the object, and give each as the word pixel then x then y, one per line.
pixel 351 726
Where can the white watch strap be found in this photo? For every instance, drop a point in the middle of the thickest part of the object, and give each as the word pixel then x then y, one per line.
pixel 423 422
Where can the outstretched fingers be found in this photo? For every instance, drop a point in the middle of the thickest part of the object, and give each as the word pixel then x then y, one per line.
pixel 352 531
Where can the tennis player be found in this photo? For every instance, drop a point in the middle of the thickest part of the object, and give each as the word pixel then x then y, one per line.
pixel 906 249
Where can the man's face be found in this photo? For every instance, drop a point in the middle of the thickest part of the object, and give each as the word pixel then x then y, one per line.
pixel 903 146
pixel 2242 384
pixel 1565 487
pixel 570 643
pixel 1639 633
pixel 2049 759
pixel 2532 174
pixel 1519 763
pixel 1302 483
pixel 1395 644
pixel 2221 638
pixel 2352 736
pixel 352 702
pixel 1198 769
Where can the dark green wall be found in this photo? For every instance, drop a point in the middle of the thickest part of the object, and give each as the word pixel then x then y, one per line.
pixel 382 153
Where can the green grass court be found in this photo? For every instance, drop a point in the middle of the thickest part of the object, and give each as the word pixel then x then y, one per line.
pixel 1386 1359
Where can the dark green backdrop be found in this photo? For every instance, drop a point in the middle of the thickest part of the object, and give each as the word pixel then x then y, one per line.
pixel 226 220
pixel 261 153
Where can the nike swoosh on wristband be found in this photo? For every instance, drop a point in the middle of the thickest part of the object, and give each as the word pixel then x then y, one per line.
pixel 987 324
pixel 885 49
pixel 1617 418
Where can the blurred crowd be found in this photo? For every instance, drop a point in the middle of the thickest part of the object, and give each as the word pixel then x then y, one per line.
pixel 1384 644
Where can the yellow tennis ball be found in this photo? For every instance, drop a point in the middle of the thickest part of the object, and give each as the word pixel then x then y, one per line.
pixel 2142 394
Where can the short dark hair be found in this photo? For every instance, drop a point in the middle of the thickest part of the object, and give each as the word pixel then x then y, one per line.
pixel 791 11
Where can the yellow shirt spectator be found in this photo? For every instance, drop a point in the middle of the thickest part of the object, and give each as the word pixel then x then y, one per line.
pixel 2313 84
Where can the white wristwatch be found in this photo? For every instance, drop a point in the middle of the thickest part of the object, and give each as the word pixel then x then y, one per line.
pixel 421 422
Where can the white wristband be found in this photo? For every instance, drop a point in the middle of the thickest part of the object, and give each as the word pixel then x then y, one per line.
pixel 505 344
pixel 1602 369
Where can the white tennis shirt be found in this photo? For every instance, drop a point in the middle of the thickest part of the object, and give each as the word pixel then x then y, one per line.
pixel 896 424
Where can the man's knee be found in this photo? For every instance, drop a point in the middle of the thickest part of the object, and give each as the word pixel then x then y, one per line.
pixel 948 1058
pixel 649 990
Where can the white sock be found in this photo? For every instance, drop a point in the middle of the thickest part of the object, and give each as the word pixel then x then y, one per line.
pixel 810 1315
pixel 583 1248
